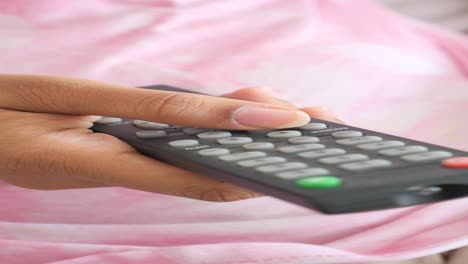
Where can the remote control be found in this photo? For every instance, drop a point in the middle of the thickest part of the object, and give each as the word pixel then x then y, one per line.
pixel 330 167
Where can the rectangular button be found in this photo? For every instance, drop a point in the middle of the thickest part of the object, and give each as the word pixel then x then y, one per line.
pixel 300 148
pixel 343 159
pixel 366 165
pixel 261 161
pixel 243 155
pixel 291 175
pixel 282 167
pixel 358 140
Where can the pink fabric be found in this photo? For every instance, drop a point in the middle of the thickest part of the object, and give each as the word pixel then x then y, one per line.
pixel 376 69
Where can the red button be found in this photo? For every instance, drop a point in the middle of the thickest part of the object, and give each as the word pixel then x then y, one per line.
pixel 456 163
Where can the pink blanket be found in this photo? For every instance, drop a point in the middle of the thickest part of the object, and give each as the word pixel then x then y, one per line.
pixel 374 68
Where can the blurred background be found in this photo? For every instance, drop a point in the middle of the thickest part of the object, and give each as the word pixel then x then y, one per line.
pixel 450 13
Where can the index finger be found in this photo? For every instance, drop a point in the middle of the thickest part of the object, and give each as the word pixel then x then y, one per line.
pixel 84 97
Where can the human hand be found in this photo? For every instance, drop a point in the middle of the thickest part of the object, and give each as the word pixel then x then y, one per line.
pixel 46 143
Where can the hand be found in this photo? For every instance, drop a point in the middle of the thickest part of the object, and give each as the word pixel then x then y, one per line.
pixel 46 143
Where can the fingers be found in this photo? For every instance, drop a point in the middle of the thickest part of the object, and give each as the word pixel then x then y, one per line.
pixel 84 97
pixel 262 95
pixel 257 94
pixel 322 113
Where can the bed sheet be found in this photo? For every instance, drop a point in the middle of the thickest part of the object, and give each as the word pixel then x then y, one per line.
pixel 373 67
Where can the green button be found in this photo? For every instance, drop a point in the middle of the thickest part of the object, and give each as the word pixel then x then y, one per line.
pixel 323 182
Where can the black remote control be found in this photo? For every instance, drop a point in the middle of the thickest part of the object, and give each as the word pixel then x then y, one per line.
pixel 327 166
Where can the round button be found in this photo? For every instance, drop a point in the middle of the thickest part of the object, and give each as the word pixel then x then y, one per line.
pixel 323 182
pixel 456 163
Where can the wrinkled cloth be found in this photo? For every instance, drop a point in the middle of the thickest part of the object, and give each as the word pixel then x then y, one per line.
pixel 375 68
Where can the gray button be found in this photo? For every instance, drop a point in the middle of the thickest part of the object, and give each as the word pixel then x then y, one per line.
pixel 214 135
pixel 243 155
pixel 427 156
pixel 284 134
pixel 151 134
pixel 235 140
pixel 149 125
pixel 403 150
pixel 282 167
pixel 347 134
pixel 184 143
pixel 291 175
pixel 322 153
pixel 303 140
pixel 261 161
pixel 259 146
pixel 381 145
pixel 358 140
pixel 300 148
pixel 366 165
pixel 108 120
pixel 343 159
pixel 195 130
pixel 313 126
pixel 213 152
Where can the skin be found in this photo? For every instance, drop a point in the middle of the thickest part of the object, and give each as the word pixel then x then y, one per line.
pixel 46 143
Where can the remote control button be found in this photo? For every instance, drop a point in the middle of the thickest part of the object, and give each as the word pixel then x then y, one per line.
pixel 282 167
pixel 324 182
pixel 303 140
pixel 261 161
pixel 347 134
pixel 108 120
pixel 427 156
pixel 149 125
pixel 300 148
pixel 343 159
pixel 366 165
pixel 291 175
pixel 235 140
pixel 358 140
pixel 313 126
pixel 194 130
pixel 403 151
pixel 259 146
pixel 243 155
pixel 184 143
pixel 381 145
pixel 284 134
pixel 213 152
pixel 322 153
pixel 151 134
pixel 456 163
pixel 214 135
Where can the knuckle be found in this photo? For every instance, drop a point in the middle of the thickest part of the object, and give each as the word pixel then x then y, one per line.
pixel 172 104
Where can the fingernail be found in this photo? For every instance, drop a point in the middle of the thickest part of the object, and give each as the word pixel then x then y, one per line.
pixel 269 117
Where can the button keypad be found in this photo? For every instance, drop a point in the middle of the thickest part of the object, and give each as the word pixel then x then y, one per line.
pixel 261 161
pixel 358 140
pixel 213 152
pixel 343 158
pixel 259 146
pixel 284 134
pixel 282 167
pixel 235 140
pixel 347 134
pixel 367 165
pixel 296 174
pixel 403 151
pixel 314 126
pixel 214 135
pixel 243 155
pixel 300 148
pixel 427 156
pixel 149 125
pixel 151 134
pixel 303 140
